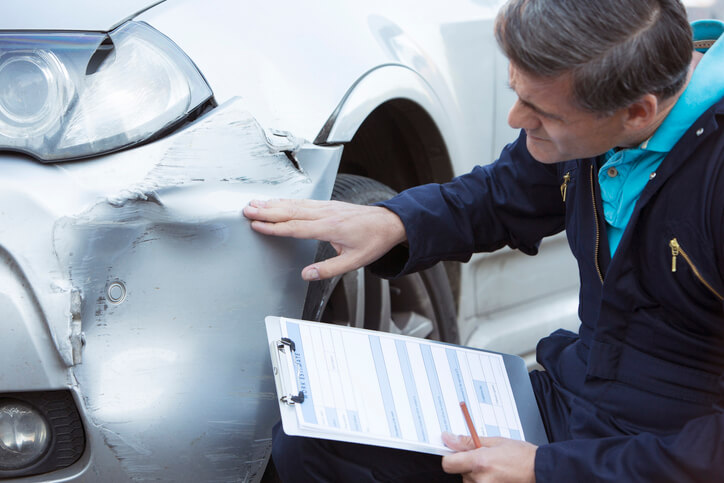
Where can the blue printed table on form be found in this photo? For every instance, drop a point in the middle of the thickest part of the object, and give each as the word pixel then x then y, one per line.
pixel 390 390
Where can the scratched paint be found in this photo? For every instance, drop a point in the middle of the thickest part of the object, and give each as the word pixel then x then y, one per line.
pixel 177 371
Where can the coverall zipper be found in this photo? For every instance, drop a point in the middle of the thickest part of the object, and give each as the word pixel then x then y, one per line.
pixel 676 250
pixel 564 186
pixel 598 232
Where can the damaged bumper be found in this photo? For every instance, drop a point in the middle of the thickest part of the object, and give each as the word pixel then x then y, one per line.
pixel 133 281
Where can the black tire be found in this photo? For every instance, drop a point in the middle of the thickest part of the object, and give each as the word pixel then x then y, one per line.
pixel 420 304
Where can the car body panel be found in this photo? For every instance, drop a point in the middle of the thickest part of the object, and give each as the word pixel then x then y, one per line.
pixel 28 355
pixel 144 290
pixel 296 79
pixel 132 279
pixel 385 83
pixel 81 15
pixel 452 69
pixel 514 300
pixel 181 348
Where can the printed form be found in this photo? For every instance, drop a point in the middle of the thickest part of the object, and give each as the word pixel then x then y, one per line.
pixel 397 391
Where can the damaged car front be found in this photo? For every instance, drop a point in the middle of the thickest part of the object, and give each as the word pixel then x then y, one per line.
pixel 133 291
pixel 128 278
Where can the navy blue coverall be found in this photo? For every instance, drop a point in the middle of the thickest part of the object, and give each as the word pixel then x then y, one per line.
pixel 638 394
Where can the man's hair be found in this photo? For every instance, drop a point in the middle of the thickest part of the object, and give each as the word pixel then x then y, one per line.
pixel 616 50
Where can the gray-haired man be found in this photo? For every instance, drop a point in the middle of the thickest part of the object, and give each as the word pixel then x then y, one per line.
pixel 619 109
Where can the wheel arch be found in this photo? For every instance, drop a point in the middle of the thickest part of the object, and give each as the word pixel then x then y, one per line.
pixel 392 105
pixel 395 130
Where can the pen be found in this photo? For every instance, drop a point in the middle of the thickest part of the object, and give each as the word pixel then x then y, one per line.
pixel 469 422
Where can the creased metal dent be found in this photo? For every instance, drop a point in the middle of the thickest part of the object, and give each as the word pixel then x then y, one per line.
pixel 76 336
pixel 228 146
pixel 224 148
pixel 179 198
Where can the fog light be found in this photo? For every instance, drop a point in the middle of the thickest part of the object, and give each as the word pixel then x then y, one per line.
pixel 24 435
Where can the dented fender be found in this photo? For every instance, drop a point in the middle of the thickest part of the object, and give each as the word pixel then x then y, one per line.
pixel 134 279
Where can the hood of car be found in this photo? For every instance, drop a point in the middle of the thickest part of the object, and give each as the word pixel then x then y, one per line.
pixel 86 15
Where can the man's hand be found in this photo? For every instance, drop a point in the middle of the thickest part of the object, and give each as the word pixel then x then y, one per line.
pixel 499 459
pixel 360 234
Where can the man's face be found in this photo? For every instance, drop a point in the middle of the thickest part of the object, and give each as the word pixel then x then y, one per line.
pixel 557 129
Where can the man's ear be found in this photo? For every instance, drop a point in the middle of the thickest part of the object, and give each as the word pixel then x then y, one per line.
pixel 641 114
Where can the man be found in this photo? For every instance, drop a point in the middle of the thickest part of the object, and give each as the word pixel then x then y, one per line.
pixel 620 145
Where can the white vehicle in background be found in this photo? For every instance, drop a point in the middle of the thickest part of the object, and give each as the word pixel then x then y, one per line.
pixel 133 291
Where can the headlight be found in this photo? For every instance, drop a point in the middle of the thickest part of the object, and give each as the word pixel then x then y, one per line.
pixel 24 435
pixel 67 96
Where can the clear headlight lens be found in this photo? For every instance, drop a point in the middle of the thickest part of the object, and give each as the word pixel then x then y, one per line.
pixel 24 435
pixel 68 96
pixel 30 98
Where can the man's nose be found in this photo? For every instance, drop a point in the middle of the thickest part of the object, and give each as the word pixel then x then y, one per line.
pixel 522 117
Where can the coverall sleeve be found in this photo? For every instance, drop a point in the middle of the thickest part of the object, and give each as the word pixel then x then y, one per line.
pixel 696 453
pixel 514 201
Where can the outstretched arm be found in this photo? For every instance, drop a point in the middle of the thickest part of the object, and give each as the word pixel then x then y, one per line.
pixel 360 234
pixel 515 201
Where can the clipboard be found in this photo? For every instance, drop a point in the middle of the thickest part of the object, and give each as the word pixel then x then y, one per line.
pixel 362 386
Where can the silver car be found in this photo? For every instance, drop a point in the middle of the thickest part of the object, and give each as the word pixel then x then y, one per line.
pixel 132 290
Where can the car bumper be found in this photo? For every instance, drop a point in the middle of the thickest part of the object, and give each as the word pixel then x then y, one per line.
pixel 134 281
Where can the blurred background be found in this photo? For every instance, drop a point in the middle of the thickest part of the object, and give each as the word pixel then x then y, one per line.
pixel 699 9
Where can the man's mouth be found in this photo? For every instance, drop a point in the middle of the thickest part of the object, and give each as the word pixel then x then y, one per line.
pixel 533 136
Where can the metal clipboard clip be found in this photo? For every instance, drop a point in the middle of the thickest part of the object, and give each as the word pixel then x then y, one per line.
pixel 286 371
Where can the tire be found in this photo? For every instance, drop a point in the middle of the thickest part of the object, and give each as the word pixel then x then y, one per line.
pixel 419 304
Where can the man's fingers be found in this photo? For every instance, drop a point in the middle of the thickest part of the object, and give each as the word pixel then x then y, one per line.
pixel 283 203
pixel 276 214
pixel 465 460
pixel 275 211
pixel 489 442
pixel 329 268
pixel 458 443
pixel 293 228
pixel 462 462
pixel 360 234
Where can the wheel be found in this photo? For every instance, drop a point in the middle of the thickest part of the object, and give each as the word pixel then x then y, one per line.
pixel 419 305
